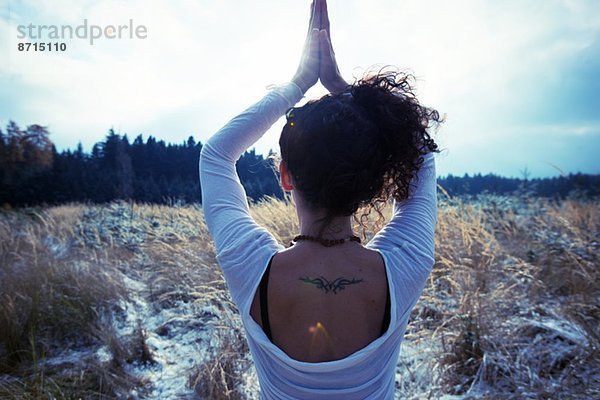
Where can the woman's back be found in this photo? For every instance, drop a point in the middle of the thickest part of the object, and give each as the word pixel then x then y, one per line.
pixel 292 366
pixel 327 322
pixel 325 303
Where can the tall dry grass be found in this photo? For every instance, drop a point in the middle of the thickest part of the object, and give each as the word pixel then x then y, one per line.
pixel 510 310
pixel 513 298
pixel 54 299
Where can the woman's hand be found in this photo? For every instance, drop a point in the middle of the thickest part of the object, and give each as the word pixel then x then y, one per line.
pixel 308 70
pixel 328 68
pixel 318 58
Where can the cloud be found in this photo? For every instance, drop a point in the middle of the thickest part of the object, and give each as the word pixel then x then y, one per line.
pixel 504 72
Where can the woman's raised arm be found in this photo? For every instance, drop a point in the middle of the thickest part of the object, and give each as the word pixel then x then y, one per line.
pixel 224 201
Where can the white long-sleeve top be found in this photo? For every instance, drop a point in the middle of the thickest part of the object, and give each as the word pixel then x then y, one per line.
pixel 244 250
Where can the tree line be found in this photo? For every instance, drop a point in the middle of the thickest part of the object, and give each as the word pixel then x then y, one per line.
pixel 579 185
pixel 33 172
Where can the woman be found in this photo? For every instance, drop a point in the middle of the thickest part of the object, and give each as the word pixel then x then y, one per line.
pixel 325 317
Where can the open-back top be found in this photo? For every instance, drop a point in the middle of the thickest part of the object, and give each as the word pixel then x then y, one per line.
pixel 244 250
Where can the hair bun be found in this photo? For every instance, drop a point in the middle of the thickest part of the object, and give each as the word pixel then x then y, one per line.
pixel 359 147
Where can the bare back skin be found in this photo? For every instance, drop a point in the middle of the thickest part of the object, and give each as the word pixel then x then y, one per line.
pixel 324 303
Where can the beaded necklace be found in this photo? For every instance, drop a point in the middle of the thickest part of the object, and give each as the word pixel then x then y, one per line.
pixel 325 242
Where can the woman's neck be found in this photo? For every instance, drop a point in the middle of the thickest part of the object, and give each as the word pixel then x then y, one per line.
pixel 311 224
pixel 311 221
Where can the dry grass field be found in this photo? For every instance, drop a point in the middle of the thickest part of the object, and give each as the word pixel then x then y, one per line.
pixel 127 301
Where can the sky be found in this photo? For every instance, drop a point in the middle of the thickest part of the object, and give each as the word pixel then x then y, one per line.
pixel 518 80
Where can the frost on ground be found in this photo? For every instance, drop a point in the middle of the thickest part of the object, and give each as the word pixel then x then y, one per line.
pixel 127 301
pixel 180 321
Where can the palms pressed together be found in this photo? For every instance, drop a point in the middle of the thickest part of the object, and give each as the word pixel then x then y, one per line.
pixel 318 58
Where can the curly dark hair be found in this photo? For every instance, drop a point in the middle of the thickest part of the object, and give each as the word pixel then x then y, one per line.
pixel 356 149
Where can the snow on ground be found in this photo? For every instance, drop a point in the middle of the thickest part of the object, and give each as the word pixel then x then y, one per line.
pixel 179 338
pixel 527 334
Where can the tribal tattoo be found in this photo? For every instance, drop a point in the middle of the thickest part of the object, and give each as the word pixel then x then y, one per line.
pixel 333 286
